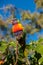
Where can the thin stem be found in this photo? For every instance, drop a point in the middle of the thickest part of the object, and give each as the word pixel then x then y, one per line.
pixel 16 53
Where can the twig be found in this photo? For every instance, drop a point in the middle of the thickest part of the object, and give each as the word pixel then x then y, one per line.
pixel 16 53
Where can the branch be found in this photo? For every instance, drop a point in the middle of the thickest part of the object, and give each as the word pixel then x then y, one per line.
pixel 16 53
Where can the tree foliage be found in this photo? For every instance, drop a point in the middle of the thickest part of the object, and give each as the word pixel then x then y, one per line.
pixel 10 51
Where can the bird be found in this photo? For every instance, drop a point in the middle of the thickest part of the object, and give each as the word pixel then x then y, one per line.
pixel 17 29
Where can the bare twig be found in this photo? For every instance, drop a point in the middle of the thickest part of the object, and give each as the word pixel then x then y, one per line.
pixel 16 53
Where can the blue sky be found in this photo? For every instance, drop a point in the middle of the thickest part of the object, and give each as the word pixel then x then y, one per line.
pixel 24 4
pixel 34 37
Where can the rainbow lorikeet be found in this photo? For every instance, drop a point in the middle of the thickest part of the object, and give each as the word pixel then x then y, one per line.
pixel 17 29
